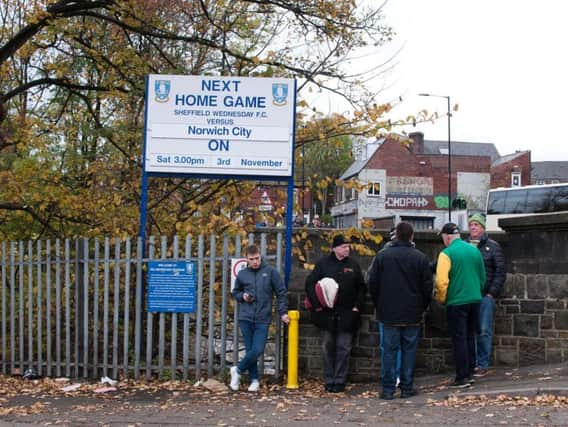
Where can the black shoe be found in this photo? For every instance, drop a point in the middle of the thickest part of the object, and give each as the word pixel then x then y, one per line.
pixel 408 393
pixel 471 380
pixel 386 396
pixel 330 388
pixel 460 384
pixel 338 388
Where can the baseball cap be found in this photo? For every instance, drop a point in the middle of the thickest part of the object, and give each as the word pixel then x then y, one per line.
pixel 449 228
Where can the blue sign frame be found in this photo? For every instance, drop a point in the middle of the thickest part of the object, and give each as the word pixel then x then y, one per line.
pixel 171 286
pixel 289 180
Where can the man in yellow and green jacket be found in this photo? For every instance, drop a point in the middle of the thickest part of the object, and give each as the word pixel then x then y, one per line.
pixel 460 277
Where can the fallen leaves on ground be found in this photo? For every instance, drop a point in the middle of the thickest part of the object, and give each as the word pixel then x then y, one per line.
pixel 22 410
pixel 210 390
pixel 502 400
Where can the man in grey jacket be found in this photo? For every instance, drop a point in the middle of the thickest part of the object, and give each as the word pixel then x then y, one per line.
pixel 254 289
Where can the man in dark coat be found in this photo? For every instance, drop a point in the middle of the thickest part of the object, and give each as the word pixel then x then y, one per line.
pixel 494 262
pixel 339 323
pixel 400 282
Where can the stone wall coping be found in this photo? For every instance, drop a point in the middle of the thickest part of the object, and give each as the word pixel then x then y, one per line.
pixel 553 221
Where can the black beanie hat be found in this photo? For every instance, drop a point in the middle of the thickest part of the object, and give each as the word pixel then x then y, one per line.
pixel 339 240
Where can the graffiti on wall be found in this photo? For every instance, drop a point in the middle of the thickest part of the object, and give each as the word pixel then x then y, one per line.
pixel 441 202
pixel 411 185
pixel 407 202
pixel 409 192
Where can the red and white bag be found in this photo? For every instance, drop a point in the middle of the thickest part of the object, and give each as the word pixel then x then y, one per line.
pixel 326 292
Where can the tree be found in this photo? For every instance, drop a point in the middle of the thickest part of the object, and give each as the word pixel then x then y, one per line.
pixel 72 97
pixel 322 161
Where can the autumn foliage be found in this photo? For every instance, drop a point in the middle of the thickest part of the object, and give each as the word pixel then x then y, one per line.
pixel 72 102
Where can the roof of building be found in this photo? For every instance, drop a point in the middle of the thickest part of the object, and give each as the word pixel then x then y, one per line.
pixel 353 169
pixel 433 148
pixel 508 157
pixel 462 148
pixel 549 170
pixel 359 164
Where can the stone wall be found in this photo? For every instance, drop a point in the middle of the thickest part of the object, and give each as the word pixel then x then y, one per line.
pixel 531 322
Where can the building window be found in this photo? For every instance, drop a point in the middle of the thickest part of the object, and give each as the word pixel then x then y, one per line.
pixel 515 179
pixel 540 182
pixel 374 189
pixel 339 194
pixel 419 222
pixel 555 181
pixel 350 193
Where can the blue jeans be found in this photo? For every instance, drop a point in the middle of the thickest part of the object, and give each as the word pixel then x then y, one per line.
pixel 402 340
pixel 485 337
pixel 463 325
pixel 382 351
pixel 254 336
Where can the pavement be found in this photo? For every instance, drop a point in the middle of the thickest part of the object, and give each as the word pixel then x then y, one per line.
pixel 536 395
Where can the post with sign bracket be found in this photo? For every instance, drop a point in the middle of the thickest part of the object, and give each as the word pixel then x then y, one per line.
pixel 213 127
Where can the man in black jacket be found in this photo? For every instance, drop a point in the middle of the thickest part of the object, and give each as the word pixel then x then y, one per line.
pixel 495 273
pixel 339 323
pixel 400 282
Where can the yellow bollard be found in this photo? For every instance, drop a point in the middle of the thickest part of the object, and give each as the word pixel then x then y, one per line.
pixel 293 344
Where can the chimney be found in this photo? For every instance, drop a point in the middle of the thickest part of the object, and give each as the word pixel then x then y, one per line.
pixel 417 146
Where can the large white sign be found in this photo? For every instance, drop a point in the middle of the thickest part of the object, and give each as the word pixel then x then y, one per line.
pixel 219 125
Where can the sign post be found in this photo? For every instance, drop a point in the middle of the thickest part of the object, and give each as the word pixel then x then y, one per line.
pixel 220 127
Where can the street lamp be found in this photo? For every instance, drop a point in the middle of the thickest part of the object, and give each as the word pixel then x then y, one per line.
pixel 449 152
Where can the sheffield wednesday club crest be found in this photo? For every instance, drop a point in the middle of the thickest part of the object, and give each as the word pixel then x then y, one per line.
pixel 279 93
pixel 162 90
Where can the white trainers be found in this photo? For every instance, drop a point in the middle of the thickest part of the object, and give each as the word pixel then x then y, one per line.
pixel 254 386
pixel 235 378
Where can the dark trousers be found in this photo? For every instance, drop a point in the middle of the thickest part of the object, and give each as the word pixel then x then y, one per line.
pixel 399 341
pixel 336 348
pixel 463 325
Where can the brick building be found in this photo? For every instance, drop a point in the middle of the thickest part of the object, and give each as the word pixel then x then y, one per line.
pixel 551 172
pixel 407 180
pixel 512 170
pixel 266 204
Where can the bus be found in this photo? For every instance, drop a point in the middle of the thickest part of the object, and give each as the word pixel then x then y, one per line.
pixel 528 200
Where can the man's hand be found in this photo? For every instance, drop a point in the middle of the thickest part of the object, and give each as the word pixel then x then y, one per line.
pixel 354 309
pixel 248 298
pixel 285 318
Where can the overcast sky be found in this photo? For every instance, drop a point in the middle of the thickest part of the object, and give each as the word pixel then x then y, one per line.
pixel 503 61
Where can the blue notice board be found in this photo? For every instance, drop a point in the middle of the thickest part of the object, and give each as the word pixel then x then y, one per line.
pixel 171 286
